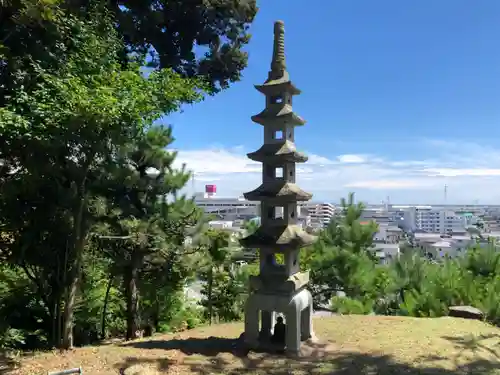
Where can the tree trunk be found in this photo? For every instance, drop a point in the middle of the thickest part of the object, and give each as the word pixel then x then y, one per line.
pixel 132 295
pixel 55 314
pixel 69 306
pixel 59 322
pixel 54 339
pixel 74 284
pixel 210 287
pixel 156 315
pixel 75 271
pixel 105 307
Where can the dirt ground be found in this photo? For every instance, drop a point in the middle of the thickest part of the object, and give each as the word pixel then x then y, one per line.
pixel 349 345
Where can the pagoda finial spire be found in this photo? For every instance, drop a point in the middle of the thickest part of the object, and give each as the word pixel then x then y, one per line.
pixel 278 65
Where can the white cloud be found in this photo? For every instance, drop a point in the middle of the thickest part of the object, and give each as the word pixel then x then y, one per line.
pixel 218 161
pixel 475 175
pixel 390 184
pixel 351 158
pixel 455 172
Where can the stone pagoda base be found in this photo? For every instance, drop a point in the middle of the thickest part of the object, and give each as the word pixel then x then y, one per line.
pixel 297 309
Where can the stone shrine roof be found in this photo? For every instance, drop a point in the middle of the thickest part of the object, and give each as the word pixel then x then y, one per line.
pixel 278 190
pixel 282 113
pixel 279 238
pixel 276 86
pixel 278 153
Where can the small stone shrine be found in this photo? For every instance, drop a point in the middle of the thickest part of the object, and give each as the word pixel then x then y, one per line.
pixel 279 288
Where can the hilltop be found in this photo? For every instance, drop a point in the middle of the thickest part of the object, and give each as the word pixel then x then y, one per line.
pixel 356 345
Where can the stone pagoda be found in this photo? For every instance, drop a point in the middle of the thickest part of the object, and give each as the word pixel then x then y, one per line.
pixel 281 286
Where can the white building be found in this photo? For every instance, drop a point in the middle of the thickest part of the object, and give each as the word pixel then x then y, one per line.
pixel 386 252
pixel 429 219
pixel 388 233
pixel 320 213
pixel 226 208
pixel 379 215
pixel 435 245
pixel 220 224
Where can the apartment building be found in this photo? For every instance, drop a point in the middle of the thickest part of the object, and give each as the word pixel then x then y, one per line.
pixel 429 219
pixel 319 214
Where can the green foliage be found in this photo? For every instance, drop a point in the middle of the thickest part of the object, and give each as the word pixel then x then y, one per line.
pixel 226 285
pixel 24 318
pixel 225 297
pixel 346 305
pixel 179 315
pixel 174 27
pixel 78 134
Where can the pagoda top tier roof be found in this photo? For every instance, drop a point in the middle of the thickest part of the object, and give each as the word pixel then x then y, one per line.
pixel 274 86
pixel 279 238
pixel 279 190
pixel 278 113
pixel 278 153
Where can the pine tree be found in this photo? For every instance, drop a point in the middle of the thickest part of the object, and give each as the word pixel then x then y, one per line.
pixel 148 226
pixel 342 252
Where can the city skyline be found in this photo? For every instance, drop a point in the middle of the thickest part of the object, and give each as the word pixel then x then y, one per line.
pixel 401 100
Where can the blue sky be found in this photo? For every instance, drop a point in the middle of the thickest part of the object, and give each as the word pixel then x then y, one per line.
pixel 401 98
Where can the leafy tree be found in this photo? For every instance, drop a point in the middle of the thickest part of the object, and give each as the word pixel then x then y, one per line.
pixel 64 136
pixel 194 38
pixel 250 227
pixel 228 291
pixel 217 242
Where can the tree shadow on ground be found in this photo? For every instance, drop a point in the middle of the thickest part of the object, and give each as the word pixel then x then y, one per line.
pixel 487 343
pixel 209 347
pixel 218 355
pixel 7 363
pixel 481 350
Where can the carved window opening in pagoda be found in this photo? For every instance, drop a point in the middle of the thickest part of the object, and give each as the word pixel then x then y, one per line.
pixel 278 212
pixel 278 134
pixel 279 259
pixel 278 99
pixel 279 173
pixel 291 173
pixel 292 214
pixel 270 260
pixel 274 262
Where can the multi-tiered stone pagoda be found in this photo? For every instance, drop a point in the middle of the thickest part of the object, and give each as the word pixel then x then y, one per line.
pixel 279 288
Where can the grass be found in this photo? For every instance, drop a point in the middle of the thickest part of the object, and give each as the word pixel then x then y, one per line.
pixel 352 345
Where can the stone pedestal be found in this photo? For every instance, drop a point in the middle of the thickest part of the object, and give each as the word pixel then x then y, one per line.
pixel 297 310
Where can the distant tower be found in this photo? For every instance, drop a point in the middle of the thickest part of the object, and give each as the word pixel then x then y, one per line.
pixel 445 193
pixel 210 191
pixel 279 287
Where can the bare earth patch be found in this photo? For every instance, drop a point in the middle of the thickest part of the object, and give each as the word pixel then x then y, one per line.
pixel 351 345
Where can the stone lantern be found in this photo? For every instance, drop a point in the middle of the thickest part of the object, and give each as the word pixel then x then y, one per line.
pixel 279 288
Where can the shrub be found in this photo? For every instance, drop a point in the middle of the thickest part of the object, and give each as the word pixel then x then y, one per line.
pixel 347 306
